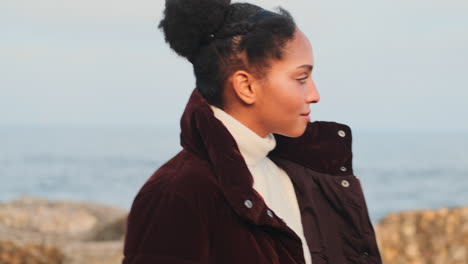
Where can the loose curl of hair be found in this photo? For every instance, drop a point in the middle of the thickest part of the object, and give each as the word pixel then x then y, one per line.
pixel 219 38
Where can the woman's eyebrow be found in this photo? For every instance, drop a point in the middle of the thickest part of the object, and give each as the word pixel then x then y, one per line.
pixel 308 66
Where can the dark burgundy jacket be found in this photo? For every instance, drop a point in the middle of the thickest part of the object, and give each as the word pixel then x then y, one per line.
pixel 200 207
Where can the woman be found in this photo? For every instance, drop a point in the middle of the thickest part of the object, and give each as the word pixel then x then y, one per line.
pixel 256 181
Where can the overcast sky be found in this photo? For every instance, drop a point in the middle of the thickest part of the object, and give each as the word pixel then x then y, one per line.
pixel 399 64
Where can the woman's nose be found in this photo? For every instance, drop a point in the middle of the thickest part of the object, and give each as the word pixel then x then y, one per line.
pixel 313 95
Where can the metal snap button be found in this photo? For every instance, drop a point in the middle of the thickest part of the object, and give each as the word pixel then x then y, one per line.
pixel 343 168
pixel 365 253
pixel 357 177
pixel 341 133
pixel 248 203
pixel 344 183
pixel 270 213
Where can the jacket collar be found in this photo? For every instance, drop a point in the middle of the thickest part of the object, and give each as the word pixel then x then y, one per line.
pixel 324 147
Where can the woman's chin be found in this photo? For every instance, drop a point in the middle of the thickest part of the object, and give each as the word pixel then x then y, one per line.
pixel 296 132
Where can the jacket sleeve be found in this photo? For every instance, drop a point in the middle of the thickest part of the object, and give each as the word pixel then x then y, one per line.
pixel 164 227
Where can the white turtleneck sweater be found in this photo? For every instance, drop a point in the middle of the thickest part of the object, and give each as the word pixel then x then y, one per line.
pixel 270 181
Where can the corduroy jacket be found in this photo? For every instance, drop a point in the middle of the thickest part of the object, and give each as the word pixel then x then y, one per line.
pixel 200 207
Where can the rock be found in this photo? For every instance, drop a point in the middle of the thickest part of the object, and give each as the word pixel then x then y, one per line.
pixel 50 219
pixel 36 219
pixel 36 230
pixel 114 230
pixel 17 253
pixel 107 252
pixel 424 236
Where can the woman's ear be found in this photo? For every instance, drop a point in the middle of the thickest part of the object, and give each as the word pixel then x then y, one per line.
pixel 242 83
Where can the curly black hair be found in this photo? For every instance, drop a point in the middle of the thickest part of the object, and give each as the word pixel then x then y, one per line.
pixel 212 34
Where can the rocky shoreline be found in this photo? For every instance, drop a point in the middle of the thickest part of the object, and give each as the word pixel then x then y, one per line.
pixel 40 231
pixel 438 236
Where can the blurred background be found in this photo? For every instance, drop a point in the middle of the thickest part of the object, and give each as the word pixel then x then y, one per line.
pixel 91 97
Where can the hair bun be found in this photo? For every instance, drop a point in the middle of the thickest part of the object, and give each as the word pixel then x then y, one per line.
pixel 187 23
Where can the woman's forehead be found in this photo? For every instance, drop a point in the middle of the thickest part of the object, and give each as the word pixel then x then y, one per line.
pixel 298 52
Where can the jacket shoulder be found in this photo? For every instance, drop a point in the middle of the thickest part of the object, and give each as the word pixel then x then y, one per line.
pixel 178 200
pixel 325 146
pixel 329 126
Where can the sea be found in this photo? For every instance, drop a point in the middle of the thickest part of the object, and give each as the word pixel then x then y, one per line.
pixel 399 170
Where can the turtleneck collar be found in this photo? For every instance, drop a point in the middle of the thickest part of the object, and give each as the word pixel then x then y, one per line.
pixel 252 147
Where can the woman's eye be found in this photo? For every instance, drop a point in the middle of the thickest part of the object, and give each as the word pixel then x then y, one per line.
pixel 303 80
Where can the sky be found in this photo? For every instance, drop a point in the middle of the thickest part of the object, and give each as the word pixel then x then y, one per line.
pixel 379 65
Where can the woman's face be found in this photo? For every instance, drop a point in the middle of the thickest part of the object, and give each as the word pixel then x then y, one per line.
pixel 284 96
